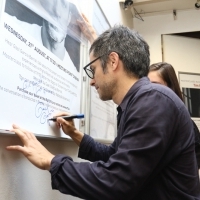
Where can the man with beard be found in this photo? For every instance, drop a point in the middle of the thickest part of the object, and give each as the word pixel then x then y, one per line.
pixel 153 154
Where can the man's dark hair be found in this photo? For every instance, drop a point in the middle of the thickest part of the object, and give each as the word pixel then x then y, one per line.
pixel 128 44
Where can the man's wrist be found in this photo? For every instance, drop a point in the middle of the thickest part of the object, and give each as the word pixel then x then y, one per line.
pixel 48 162
pixel 77 136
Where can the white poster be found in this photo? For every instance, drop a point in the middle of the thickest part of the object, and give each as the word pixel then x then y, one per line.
pixel 39 69
pixel 103 113
pixel 103 117
pixel 190 86
pixel 100 22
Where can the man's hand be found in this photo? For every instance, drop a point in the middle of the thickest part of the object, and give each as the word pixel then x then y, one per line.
pixel 87 29
pixel 33 150
pixel 69 128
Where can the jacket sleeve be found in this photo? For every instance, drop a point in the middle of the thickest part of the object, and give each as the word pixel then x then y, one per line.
pixel 95 151
pixel 197 143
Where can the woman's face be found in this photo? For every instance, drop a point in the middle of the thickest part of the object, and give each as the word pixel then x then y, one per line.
pixel 155 77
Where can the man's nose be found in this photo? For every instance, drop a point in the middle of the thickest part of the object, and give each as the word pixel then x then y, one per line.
pixel 92 82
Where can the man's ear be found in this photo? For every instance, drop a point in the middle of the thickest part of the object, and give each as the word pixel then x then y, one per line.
pixel 114 59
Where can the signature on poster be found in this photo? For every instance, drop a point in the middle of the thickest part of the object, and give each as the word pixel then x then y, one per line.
pixel 42 111
pixel 35 85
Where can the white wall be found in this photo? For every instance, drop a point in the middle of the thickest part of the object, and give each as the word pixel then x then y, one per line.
pixel 182 53
pixel 111 10
pixel 20 180
pixel 157 24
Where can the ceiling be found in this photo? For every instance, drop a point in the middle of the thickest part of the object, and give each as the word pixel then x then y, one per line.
pixel 150 6
pixel 153 6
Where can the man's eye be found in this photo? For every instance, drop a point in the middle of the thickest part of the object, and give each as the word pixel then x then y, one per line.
pixel 92 69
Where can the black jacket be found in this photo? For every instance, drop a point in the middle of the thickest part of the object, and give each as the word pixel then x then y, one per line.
pixel 153 156
pixel 197 143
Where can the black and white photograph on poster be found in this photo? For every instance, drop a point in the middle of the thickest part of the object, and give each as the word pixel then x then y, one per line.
pixel 35 81
pixel 52 24
pixel 190 86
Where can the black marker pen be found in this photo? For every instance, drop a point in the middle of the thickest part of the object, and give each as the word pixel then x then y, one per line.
pixel 68 117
